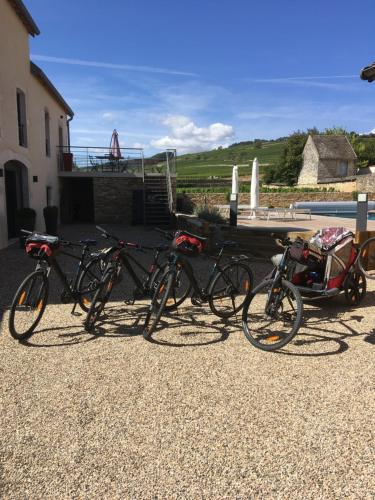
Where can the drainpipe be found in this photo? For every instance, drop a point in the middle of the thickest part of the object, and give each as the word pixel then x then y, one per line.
pixel 68 128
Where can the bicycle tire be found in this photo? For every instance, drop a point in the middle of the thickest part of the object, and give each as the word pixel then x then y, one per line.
pixel 20 299
pixel 355 288
pixel 222 289
pixel 185 293
pixel 85 299
pixel 366 258
pixel 100 298
pixel 158 303
pixel 263 340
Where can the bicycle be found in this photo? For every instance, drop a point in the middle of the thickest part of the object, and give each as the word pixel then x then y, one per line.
pixel 31 298
pixel 226 289
pixel 121 259
pixel 273 305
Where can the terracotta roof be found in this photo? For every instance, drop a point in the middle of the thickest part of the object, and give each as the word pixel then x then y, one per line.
pixel 25 17
pixel 368 73
pixel 46 82
pixel 334 147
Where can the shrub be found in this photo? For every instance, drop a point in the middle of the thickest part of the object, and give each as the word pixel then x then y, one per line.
pixel 210 214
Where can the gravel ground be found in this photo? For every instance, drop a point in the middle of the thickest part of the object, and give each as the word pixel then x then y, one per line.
pixel 199 413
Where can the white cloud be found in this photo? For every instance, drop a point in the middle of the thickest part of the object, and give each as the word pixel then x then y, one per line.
pixel 186 136
pixel 99 64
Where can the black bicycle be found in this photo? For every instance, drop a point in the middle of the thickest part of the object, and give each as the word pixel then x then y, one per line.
pixel 272 315
pixel 122 262
pixel 31 298
pixel 226 290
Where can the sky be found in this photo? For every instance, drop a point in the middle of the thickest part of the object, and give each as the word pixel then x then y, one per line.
pixel 198 74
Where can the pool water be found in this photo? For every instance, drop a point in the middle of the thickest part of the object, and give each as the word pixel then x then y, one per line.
pixel 348 216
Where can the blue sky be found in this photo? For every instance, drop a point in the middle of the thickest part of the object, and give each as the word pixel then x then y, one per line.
pixel 198 74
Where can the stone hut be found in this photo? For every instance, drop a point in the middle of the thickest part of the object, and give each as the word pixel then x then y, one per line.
pixel 327 158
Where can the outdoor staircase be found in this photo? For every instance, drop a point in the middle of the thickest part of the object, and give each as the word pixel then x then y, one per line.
pixel 157 211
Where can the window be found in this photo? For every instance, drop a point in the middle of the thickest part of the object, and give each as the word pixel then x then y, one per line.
pixel 343 168
pixel 21 118
pixel 46 127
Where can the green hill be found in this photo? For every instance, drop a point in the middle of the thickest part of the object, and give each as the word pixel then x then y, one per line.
pixel 219 162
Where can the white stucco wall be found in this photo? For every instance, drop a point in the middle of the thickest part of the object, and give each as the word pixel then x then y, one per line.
pixel 15 73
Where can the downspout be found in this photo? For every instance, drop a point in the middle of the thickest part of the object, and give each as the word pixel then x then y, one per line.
pixel 68 129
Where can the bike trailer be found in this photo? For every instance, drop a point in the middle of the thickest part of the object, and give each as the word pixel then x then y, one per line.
pixel 41 245
pixel 328 256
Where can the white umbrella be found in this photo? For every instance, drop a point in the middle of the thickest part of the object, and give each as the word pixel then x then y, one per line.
pixel 235 180
pixel 254 190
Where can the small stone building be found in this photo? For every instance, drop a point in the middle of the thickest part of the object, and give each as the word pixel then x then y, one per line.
pixel 327 158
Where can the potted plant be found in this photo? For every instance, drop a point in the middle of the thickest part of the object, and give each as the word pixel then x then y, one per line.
pixel 25 219
pixel 67 162
pixel 51 215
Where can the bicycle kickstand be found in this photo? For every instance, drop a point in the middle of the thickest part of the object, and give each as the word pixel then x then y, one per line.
pixel 73 312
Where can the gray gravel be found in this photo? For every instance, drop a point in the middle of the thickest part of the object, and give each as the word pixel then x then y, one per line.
pixel 199 414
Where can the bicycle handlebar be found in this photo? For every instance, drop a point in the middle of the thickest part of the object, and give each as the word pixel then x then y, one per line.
pixel 105 234
pixel 167 234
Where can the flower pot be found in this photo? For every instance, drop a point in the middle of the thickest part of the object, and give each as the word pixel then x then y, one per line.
pixel 67 162
pixel 51 216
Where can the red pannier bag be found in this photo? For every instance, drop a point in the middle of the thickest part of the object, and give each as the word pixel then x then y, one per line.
pixel 188 244
pixel 41 242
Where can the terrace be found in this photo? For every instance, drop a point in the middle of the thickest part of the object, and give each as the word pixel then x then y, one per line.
pixel 79 160
pixel 99 184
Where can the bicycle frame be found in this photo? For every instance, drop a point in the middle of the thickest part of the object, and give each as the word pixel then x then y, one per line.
pixel 177 260
pixel 70 288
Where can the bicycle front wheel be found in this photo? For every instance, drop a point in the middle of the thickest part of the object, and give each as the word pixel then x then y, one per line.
pixel 273 315
pixel 100 298
pixel 28 305
pixel 88 283
pixel 158 303
pixel 181 287
pixel 366 258
pixel 230 288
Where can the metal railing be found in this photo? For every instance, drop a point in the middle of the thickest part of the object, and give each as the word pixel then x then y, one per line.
pixel 100 159
pixel 170 158
pixel 127 160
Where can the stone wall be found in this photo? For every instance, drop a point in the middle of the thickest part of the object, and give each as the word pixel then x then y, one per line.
pixel 366 183
pixel 343 186
pixel 329 169
pixel 281 200
pixel 113 198
pixel 309 170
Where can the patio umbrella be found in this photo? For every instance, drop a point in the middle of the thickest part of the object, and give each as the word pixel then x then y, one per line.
pixel 114 147
pixel 254 190
pixel 235 180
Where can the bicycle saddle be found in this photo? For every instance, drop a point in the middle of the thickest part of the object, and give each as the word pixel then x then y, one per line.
pixel 88 242
pixel 227 243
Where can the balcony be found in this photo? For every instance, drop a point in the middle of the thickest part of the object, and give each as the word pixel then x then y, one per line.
pixel 98 161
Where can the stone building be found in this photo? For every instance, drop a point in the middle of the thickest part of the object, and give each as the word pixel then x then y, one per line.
pixel 327 159
pixel 34 121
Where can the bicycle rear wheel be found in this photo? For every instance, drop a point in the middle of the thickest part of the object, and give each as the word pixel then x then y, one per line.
pixel 158 302
pixel 88 283
pixel 100 298
pixel 28 305
pixel 366 258
pixel 230 288
pixel 272 315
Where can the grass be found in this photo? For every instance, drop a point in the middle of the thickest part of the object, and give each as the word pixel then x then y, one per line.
pixel 219 162
pixel 245 188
